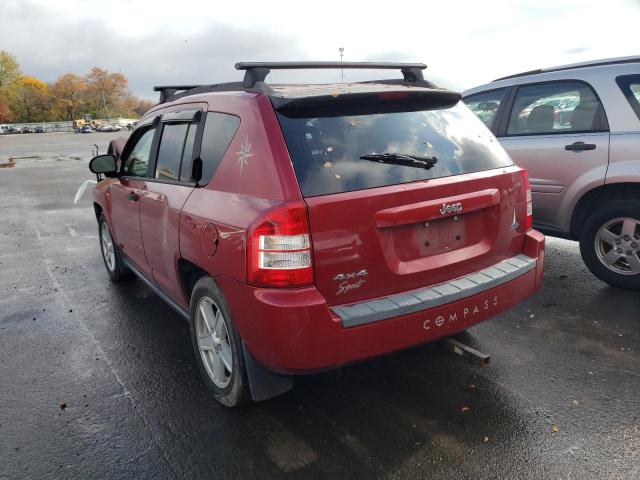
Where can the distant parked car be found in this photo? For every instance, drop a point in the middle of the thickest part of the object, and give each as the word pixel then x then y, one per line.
pixel 116 128
pixel 104 128
pixel 575 128
pixel 7 129
pixel 40 129
pixel 86 129
pixel 26 130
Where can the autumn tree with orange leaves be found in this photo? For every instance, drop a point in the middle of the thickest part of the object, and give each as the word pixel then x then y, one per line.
pixel 68 96
pixel 105 90
pixel 9 69
pixel 33 98
pixel 5 112
pixel 100 93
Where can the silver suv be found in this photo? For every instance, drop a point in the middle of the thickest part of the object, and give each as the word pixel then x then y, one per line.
pixel 576 128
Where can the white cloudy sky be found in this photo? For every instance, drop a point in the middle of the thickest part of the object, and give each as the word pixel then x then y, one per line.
pixel 191 41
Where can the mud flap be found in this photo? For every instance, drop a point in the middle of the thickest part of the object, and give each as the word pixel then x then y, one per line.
pixel 263 383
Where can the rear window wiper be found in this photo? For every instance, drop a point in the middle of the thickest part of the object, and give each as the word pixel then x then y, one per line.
pixel 402 159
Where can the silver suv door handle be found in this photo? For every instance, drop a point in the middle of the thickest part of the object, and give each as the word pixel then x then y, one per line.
pixel 579 146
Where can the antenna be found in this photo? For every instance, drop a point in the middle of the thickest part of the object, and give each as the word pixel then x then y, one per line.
pixel 341 50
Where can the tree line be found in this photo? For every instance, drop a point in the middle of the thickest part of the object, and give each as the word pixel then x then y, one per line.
pixel 100 93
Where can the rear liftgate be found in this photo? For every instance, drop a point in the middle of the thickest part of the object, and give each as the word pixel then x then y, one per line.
pixel 263 383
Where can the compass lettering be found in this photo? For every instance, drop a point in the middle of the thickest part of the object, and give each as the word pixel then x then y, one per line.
pixel 464 313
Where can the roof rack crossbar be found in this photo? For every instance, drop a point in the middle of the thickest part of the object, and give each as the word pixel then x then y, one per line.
pixel 168 90
pixel 257 71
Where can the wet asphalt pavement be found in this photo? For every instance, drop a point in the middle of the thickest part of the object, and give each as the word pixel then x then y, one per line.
pixel 99 380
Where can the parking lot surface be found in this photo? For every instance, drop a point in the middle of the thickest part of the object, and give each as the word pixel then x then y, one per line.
pixel 99 380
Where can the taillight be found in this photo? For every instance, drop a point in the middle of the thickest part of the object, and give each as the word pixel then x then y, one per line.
pixel 279 248
pixel 527 188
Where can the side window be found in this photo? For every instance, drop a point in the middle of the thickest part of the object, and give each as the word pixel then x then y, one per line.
pixel 560 107
pixel 171 150
pixel 136 163
pixel 485 105
pixel 219 130
pixel 187 156
pixel 630 86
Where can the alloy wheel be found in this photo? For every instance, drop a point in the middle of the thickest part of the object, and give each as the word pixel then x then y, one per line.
pixel 106 242
pixel 214 343
pixel 617 245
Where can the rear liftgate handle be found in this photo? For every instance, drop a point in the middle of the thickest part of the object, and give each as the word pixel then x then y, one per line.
pixel 580 146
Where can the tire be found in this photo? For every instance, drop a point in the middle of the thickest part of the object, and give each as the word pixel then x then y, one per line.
pixel 111 254
pixel 610 243
pixel 223 373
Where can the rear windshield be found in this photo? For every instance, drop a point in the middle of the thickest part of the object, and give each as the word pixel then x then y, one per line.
pixel 326 151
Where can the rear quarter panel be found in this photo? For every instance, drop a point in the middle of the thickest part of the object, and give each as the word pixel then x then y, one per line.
pixel 240 192
pixel 624 158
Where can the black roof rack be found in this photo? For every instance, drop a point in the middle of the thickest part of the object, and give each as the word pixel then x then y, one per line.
pixel 573 66
pixel 166 91
pixel 256 72
pixel 177 91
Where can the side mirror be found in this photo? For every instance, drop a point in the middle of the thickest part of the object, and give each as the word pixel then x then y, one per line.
pixel 104 164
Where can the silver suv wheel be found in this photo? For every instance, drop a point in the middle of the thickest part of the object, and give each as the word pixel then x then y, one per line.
pixel 617 245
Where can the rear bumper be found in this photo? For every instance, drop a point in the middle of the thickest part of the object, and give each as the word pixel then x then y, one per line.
pixel 294 331
pixel 429 298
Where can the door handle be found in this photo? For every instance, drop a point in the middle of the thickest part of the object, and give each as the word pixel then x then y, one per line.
pixel 580 146
pixel 133 196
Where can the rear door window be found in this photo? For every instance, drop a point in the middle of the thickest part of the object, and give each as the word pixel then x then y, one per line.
pixel 219 130
pixel 171 150
pixel 326 151
pixel 556 107
pixel 485 105
pixel 186 169
pixel 630 86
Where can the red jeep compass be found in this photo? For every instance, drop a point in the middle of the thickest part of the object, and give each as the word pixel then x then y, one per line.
pixel 304 227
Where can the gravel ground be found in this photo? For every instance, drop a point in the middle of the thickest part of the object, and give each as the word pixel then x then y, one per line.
pixel 99 380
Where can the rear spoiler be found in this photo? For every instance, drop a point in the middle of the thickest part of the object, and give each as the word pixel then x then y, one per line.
pixel 363 103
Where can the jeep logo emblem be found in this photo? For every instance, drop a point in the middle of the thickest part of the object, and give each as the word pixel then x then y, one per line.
pixel 451 208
